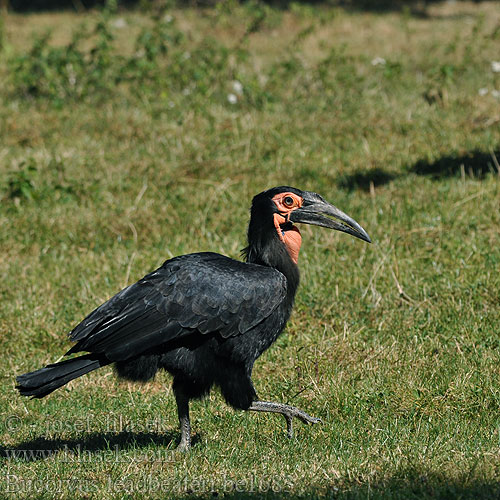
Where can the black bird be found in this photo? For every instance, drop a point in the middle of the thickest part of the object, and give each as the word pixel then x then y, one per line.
pixel 204 317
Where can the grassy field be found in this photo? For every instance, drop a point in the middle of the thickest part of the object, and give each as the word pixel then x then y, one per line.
pixel 148 137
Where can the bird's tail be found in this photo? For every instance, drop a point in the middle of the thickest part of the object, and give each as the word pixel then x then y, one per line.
pixel 45 380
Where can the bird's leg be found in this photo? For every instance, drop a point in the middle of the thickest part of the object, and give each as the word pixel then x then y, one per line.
pixel 287 411
pixel 183 412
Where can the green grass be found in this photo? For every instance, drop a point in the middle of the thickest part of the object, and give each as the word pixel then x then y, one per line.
pixel 394 345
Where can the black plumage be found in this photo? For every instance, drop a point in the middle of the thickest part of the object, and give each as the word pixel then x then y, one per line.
pixel 203 317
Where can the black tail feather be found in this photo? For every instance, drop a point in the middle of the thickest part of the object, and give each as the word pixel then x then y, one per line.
pixel 45 380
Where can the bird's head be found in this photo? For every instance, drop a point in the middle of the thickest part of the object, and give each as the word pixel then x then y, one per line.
pixel 287 206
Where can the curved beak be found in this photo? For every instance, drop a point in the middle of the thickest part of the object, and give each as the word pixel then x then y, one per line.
pixel 314 212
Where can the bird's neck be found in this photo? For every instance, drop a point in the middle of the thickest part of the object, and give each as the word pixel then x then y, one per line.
pixel 266 248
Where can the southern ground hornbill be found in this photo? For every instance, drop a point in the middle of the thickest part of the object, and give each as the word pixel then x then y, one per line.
pixel 204 317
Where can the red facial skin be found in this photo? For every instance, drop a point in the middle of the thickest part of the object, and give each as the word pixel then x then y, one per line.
pixel 286 204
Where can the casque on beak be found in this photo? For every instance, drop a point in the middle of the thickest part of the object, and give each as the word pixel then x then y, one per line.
pixel 314 210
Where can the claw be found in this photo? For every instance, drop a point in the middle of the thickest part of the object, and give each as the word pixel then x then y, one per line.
pixel 289 426
pixel 289 412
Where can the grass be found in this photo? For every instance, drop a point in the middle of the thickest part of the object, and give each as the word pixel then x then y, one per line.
pixel 394 345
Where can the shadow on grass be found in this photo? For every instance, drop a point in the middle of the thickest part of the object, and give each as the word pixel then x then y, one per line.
pixel 416 484
pixel 430 486
pixel 415 7
pixel 395 488
pixel 365 179
pixel 472 164
pixel 89 445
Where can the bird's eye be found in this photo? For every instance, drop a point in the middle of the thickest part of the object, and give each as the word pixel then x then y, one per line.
pixel 288 201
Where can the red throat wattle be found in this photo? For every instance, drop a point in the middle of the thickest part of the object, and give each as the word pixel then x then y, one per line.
pixel 286 203
pixel 291 237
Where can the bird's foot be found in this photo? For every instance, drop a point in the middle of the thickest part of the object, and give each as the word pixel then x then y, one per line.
pixel 185 442
pixel 184 446
pixel 289 412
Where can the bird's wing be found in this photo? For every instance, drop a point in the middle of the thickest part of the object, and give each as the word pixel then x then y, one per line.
pixel 204 292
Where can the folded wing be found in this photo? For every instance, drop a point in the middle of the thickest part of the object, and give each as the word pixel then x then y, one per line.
pixel 192 294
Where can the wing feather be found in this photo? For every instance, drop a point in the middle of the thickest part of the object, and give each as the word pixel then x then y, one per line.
pixel 203 293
